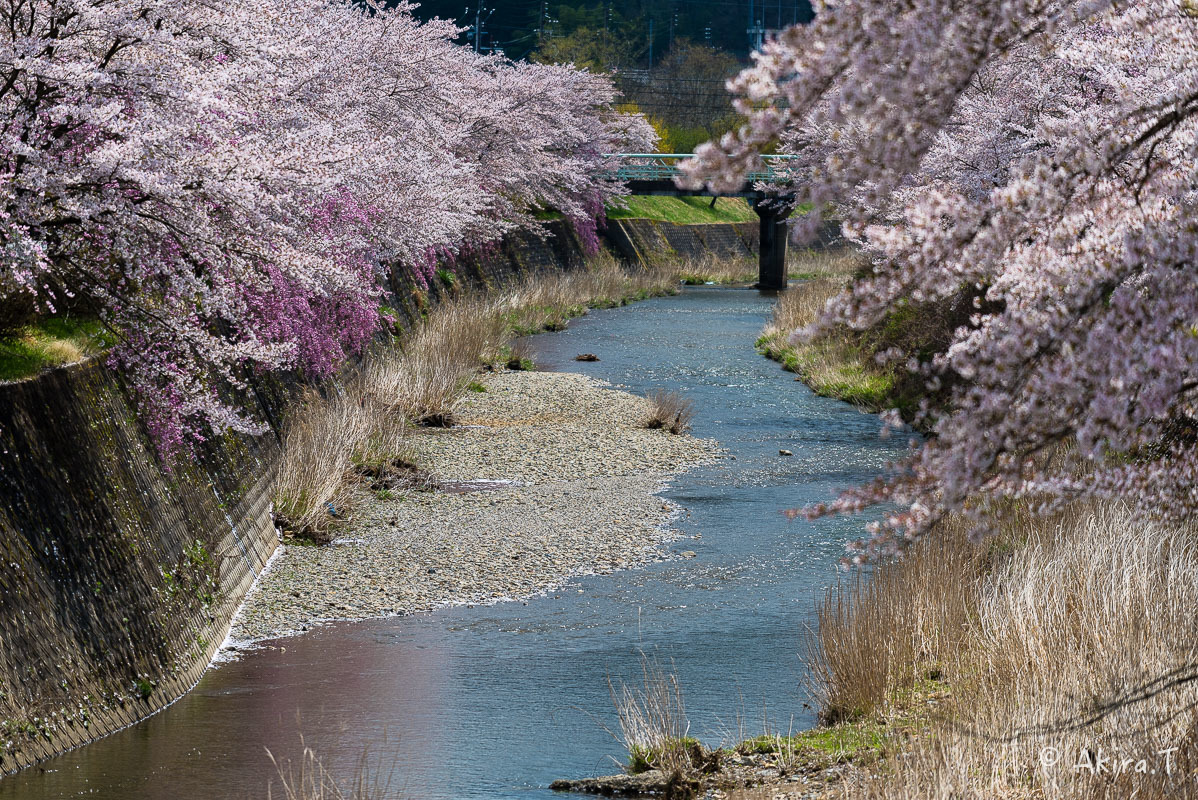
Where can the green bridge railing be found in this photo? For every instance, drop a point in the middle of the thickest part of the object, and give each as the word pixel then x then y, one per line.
pixel 664 167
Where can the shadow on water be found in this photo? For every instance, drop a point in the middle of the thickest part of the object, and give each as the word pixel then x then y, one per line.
pixel 496 702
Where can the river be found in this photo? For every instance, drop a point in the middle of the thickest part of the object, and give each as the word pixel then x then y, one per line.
pixel 498 701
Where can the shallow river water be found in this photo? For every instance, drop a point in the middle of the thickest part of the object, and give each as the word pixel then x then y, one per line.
pixel 498 701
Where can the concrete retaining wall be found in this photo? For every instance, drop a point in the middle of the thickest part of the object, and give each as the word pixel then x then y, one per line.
pixel 646 241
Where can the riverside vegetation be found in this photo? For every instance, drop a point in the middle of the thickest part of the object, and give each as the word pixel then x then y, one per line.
pixel 1049 660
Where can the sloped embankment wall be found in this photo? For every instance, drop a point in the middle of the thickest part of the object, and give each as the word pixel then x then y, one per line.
pixel 118 576
pixel 645 241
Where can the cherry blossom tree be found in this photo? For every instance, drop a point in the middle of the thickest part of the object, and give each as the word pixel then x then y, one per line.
pixel 1042 155
pixel 223 181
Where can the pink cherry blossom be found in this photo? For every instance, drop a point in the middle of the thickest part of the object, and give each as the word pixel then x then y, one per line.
pixel 227 182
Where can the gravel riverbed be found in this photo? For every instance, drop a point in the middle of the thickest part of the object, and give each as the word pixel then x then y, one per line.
pixel 583 473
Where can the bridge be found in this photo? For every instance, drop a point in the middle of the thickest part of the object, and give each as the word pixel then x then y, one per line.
pixel 655 174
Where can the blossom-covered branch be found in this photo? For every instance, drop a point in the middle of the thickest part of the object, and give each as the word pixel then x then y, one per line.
pixel 222 182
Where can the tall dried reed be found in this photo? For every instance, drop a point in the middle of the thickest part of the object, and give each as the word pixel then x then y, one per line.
pixel 311 780
pixel 1070 649
pixel 653 723
pixel 882 631
pixel 825 274
pixel 321 439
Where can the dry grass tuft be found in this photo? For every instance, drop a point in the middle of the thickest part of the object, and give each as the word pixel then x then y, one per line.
pixel 320 440
pixel 882 632
pixel 424 379
pixel 311 780
pixel 1045 637
pixel 670 411
pixel 653 723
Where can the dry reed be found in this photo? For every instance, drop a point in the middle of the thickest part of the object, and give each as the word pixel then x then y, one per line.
pixel 311 780
pixel 435 362
pixel 669 411
pixel 653 723
pixel 320 441
pixel 1069 646
pixel 826 272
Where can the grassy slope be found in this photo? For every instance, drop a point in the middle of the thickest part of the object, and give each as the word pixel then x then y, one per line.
pixel 684 210
pixel 839 364
pixel 48 343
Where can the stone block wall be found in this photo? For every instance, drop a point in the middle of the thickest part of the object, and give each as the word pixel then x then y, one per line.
pixel 118 579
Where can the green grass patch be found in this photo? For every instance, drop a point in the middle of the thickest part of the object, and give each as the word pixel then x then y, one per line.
pixel 849 741
pixel 50 343
pixel 862 742
pixel 685 210
pixel 643 759
pixel 837 368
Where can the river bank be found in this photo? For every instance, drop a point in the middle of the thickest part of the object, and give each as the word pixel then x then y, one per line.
pixel 573 479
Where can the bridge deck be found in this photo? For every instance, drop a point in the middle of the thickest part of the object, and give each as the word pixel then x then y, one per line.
pixel 655 174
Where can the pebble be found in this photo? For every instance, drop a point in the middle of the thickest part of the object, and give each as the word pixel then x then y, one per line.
pixel 582 500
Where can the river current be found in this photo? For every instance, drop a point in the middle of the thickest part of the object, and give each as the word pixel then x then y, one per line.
pixel 497 701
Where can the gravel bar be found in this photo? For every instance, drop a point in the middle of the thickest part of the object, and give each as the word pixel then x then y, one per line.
pixel 580 498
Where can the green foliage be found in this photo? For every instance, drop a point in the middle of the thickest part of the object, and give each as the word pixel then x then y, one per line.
pixel 49 343
pixel 585 46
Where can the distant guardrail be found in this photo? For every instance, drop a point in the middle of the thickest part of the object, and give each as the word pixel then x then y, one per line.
pixel 664 167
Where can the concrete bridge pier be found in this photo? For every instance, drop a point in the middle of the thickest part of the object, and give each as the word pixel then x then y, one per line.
pixel 771 255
